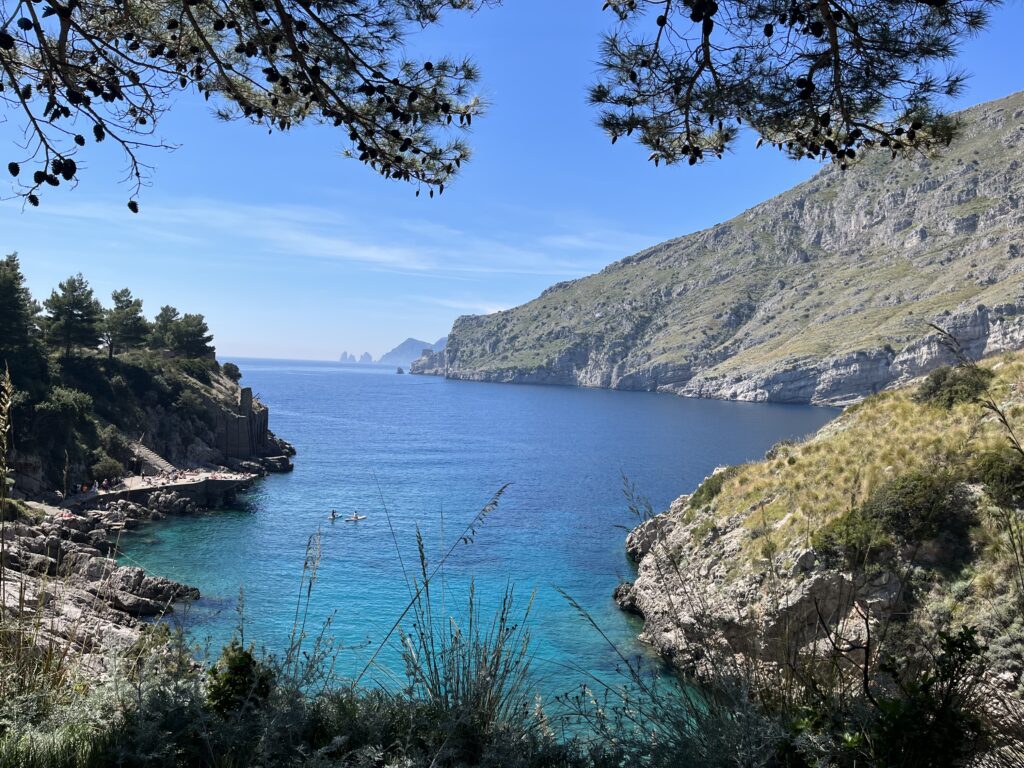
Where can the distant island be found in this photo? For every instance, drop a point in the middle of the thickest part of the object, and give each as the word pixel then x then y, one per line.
pixel 409 350
pixel 364 359
pixel 401 356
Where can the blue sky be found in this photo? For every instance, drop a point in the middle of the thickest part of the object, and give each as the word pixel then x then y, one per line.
pixel 292 251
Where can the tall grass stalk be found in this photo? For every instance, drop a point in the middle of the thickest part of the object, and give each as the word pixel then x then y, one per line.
pixel 467 537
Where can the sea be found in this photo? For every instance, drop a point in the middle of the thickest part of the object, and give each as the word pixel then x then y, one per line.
pixel 420 457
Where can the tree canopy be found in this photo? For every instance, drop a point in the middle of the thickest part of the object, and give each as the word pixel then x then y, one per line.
pixel 191 337
pixel 20 351
pixel 85 71
pixel 124 325
pixel 73 315
pixel 819 78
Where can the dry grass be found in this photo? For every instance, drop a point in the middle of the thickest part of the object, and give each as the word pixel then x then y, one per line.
pixel 808 484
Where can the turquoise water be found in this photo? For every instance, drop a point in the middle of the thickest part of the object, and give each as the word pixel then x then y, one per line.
pixel 434 451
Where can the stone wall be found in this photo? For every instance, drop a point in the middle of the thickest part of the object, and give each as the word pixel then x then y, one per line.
pixel 244 433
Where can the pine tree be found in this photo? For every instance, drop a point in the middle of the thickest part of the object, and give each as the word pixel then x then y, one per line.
pixel 160 334
pixel 191 337
pixel 124 326
pixel 815 79
pixel 19 327
pixel 73 316
pixel 93 71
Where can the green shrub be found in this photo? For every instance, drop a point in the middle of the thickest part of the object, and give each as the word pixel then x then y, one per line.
pixel 907 510
pixel 232 372
pixel 921 505
pixel 198 368
pixel 946 386
pixel 107 468
pixel 238 681
pixel 933 717
pixel 191 406
pixel 711 487
pixel 1001 471
pixel 853 539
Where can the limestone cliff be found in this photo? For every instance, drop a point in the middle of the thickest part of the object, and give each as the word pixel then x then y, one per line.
pixel 822 294
pixel 769 558
pixel 147 413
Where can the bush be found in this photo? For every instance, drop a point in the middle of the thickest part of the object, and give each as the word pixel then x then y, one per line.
pixel 238 682
pixel 1002 474
pixel 107 468
pixel 921 505
pixel 711 487
pixel 191 406
pixel 907 510
pixel 198 368
pixel 946 386
pixel 114 443
pixel 853 539
pixel 232 372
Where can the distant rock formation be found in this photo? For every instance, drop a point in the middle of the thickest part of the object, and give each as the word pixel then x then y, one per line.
pixel 366 358
pixel 347 358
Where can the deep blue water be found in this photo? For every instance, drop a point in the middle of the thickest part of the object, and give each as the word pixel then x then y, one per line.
pixel 434 451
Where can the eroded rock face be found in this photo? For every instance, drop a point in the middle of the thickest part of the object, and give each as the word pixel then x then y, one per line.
pixel 697 590
pixel 821 295
pixel 61 573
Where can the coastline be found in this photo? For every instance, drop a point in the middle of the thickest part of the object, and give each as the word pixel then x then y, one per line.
pixel 61 560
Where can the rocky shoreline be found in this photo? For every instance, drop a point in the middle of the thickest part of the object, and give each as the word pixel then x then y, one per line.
pixel 62 571
pixel 832 381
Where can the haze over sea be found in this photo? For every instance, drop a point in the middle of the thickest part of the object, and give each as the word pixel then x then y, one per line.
pixel 434 452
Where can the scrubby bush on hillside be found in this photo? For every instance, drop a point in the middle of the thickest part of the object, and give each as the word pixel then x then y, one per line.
pixel 946 386
pixel 1001 471
pixel 854 539
pixel 909 509
pixel 232 371
pixel 712 486
pixel 917 506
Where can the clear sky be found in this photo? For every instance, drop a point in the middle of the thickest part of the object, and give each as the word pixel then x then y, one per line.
pixel 292 251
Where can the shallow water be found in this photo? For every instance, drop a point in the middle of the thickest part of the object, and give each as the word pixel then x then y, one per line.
pixel 432 452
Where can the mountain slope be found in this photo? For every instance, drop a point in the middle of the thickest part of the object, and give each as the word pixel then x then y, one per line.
pixel 821 294
pixel 405 353
pixel 770 552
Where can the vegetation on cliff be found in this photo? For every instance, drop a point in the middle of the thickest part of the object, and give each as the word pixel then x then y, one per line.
pixel 870 577
pixel 766 305
pixel 90 380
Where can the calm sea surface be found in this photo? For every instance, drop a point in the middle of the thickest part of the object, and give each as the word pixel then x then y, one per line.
pixel 433 452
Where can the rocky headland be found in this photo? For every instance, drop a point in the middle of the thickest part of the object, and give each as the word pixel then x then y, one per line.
pixel 823 294
pixel 204 440
pixel 771 559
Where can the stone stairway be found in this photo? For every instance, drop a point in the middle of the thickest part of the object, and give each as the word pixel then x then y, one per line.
pixel 150 460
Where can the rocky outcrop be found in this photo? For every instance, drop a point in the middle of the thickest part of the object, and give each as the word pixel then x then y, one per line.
pixel 61 573
pixel 822 295
pixel 847 378
pixel 696 595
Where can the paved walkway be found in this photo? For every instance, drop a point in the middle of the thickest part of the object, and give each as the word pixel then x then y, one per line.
pixel 178 480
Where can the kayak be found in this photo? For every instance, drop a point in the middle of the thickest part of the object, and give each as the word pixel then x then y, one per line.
pixel 355 518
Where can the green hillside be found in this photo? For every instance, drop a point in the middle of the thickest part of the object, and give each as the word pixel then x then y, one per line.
pixel 765 306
